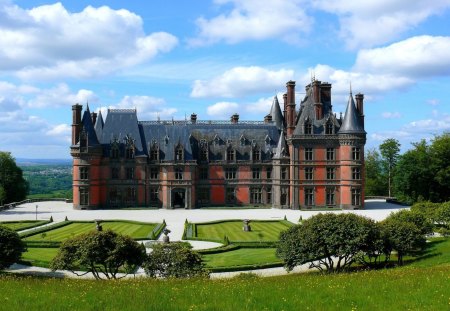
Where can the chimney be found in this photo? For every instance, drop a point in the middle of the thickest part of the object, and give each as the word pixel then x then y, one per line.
pixel 93 117
pixel 76 123
pixel 268 119
pixel 235 118
pixel 318 106
pixel 360 106
pixel 290 111
pixel 193 118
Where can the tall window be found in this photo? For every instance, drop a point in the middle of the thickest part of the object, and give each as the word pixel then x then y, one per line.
pixel 84 196
pixel 154 154
pixel 130 195
pixel 230 173
pixel 115 152
pixel 203 195
pixel 269 172
pixel 154 195
pixel 129 153
pixel 230 154
pixel 330 196
pixel 308 154
pixel 84 173
pixel 179 153
pixel 256 154
pixel 329 128
pixel 115 173
pixel 230 195
pixel 309 173
pixel 130 172
pixel 256 173
pixel 204 154
pixel 203 173
pixel 256 196
pixel 284 173
pixel 330 154
pixel 309 196
pixel 154 172
pixel 331 173
pixel 114 197
pixel 178 173
pixel 356 173
pixel 269 195
pixel 356 153
pixel 308 128
pixel 356 196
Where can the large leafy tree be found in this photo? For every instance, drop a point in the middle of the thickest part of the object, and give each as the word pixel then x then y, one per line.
pixel 328 242
pixel 390 150
pixel 11 247
pixel 440 167
pixel 102 253
pixel 376 182
pixel 15 187
pixel 174 260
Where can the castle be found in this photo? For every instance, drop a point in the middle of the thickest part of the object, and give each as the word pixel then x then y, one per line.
pixel 298 159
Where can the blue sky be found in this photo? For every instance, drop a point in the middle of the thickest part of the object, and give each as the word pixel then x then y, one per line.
pixel 172 58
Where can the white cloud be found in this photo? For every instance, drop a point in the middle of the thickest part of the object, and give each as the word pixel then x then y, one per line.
pixel 421 56
pixel 241 81
pixel 433 102
pixel 254 20
pixel 50 42
pixel 61 95
pixel 61 130
pixel 374 22
pixel 391 115
pixel 222 110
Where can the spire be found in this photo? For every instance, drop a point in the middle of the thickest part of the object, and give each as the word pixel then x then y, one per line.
pixel 280 151
pixel 275 112
pixel 351 122
pixel 87 107
pixel 98 126
pixel 89 128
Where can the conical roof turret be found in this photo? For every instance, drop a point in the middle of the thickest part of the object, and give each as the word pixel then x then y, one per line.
pixel 281 150
pixel 275 112
pixel 99 124
pixel 352 119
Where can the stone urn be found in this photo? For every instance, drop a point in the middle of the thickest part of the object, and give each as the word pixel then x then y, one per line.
pixel 246 226
pixel 166 235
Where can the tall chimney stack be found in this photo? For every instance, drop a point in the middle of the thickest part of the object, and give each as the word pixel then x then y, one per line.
pixel 76 123
pixel 193 118
pixel 235 118
pixel 360 106
pixel 290 111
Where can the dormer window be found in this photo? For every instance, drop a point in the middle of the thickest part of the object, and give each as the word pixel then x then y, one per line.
pixel 166 139
pixel 267 140
pixel 129 153
pixel 154 153
pixel 229 141
pixel 242 140
pixel 329 128
pixel 256 154
pixel 308 128
pixel 179 153
pixel 230 154
pixel 114 152
pixel 216 140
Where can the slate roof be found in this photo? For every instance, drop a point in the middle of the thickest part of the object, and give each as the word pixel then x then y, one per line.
pixel 352 120
pixel 88 127
pixel 281 150
pixel 275 112
pixel 99 124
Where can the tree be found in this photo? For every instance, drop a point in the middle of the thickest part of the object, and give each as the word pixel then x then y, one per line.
pixel 417 218
pixel 390 149
pixel 102 253
pixel 376 183
pixel 440 167
pixel 443 214
pixel 2 195
pixel 330 242
pixel 11 247
pixel 174 260
pixel 11 179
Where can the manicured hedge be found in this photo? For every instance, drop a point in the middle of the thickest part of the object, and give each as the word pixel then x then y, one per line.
pixel 32 224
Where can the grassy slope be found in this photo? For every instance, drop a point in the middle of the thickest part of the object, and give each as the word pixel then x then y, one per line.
pixel 240 257
pixel 22 225
pixel 136 231
pixel 261 231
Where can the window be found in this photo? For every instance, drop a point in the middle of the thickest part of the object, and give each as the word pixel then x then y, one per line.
pixel 329 128
pixel 330 154
pixel 356 173
pixel 309 196
pixel 178 173
pixel 84 196
pixel 83 141
pixel 230 195
pixel 256 196
pixel 203 195
pixel 284 196
pixel 356 196
pixel 204 154
pixel 179 154
pixel 308 173
pixel 284 173
pixel 115 173
pixel 269 195
pixel 308 128
pixel 308 154
pixel 115 152
pixel 203 173
pixel 256 154
pixel 242 141
pixel 154 172
pixel 230 154
pixel 256 173
pixel 130 172
pixel 331 173
pixel 154 195
pixel 130 195
pixel 356 153
pixel 330 196
pixel 230 173
pixel 269 173
pixel 154 154
pixel 129 153
pixel 84 173
pixel 114 197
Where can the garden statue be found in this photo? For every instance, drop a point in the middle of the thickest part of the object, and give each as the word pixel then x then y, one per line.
pixel 98 225
pixel 166 237
pixel 247 225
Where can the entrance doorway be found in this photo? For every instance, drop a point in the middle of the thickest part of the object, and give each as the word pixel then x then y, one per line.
pixel 179 198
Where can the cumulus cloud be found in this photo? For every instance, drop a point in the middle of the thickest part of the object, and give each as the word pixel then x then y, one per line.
pixel 222 110
pixel 374 22
pixel 253 20
pixel 50 42
pixel 241 81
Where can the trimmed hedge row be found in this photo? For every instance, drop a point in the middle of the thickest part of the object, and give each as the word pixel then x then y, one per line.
pixel 156 232
pixel 246 267
pixel 33 223
pixel 45 229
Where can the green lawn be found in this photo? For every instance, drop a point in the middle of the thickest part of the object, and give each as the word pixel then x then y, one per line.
pixel 24 224
pixel 261 230
pixel 241 257
pixel 134 229
pixel 40 257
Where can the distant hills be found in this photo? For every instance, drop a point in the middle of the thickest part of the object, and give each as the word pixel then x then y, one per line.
pixel 29 162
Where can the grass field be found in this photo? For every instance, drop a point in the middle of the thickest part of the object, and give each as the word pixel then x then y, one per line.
pixel 24 224
pixel 261 230
pixel 241 257
pixel 39 257
pixel 133 229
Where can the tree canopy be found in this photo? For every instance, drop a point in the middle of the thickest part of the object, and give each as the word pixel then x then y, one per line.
pixel 11 247
pixel 390 150
pixel 15 187
pixel 102 253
